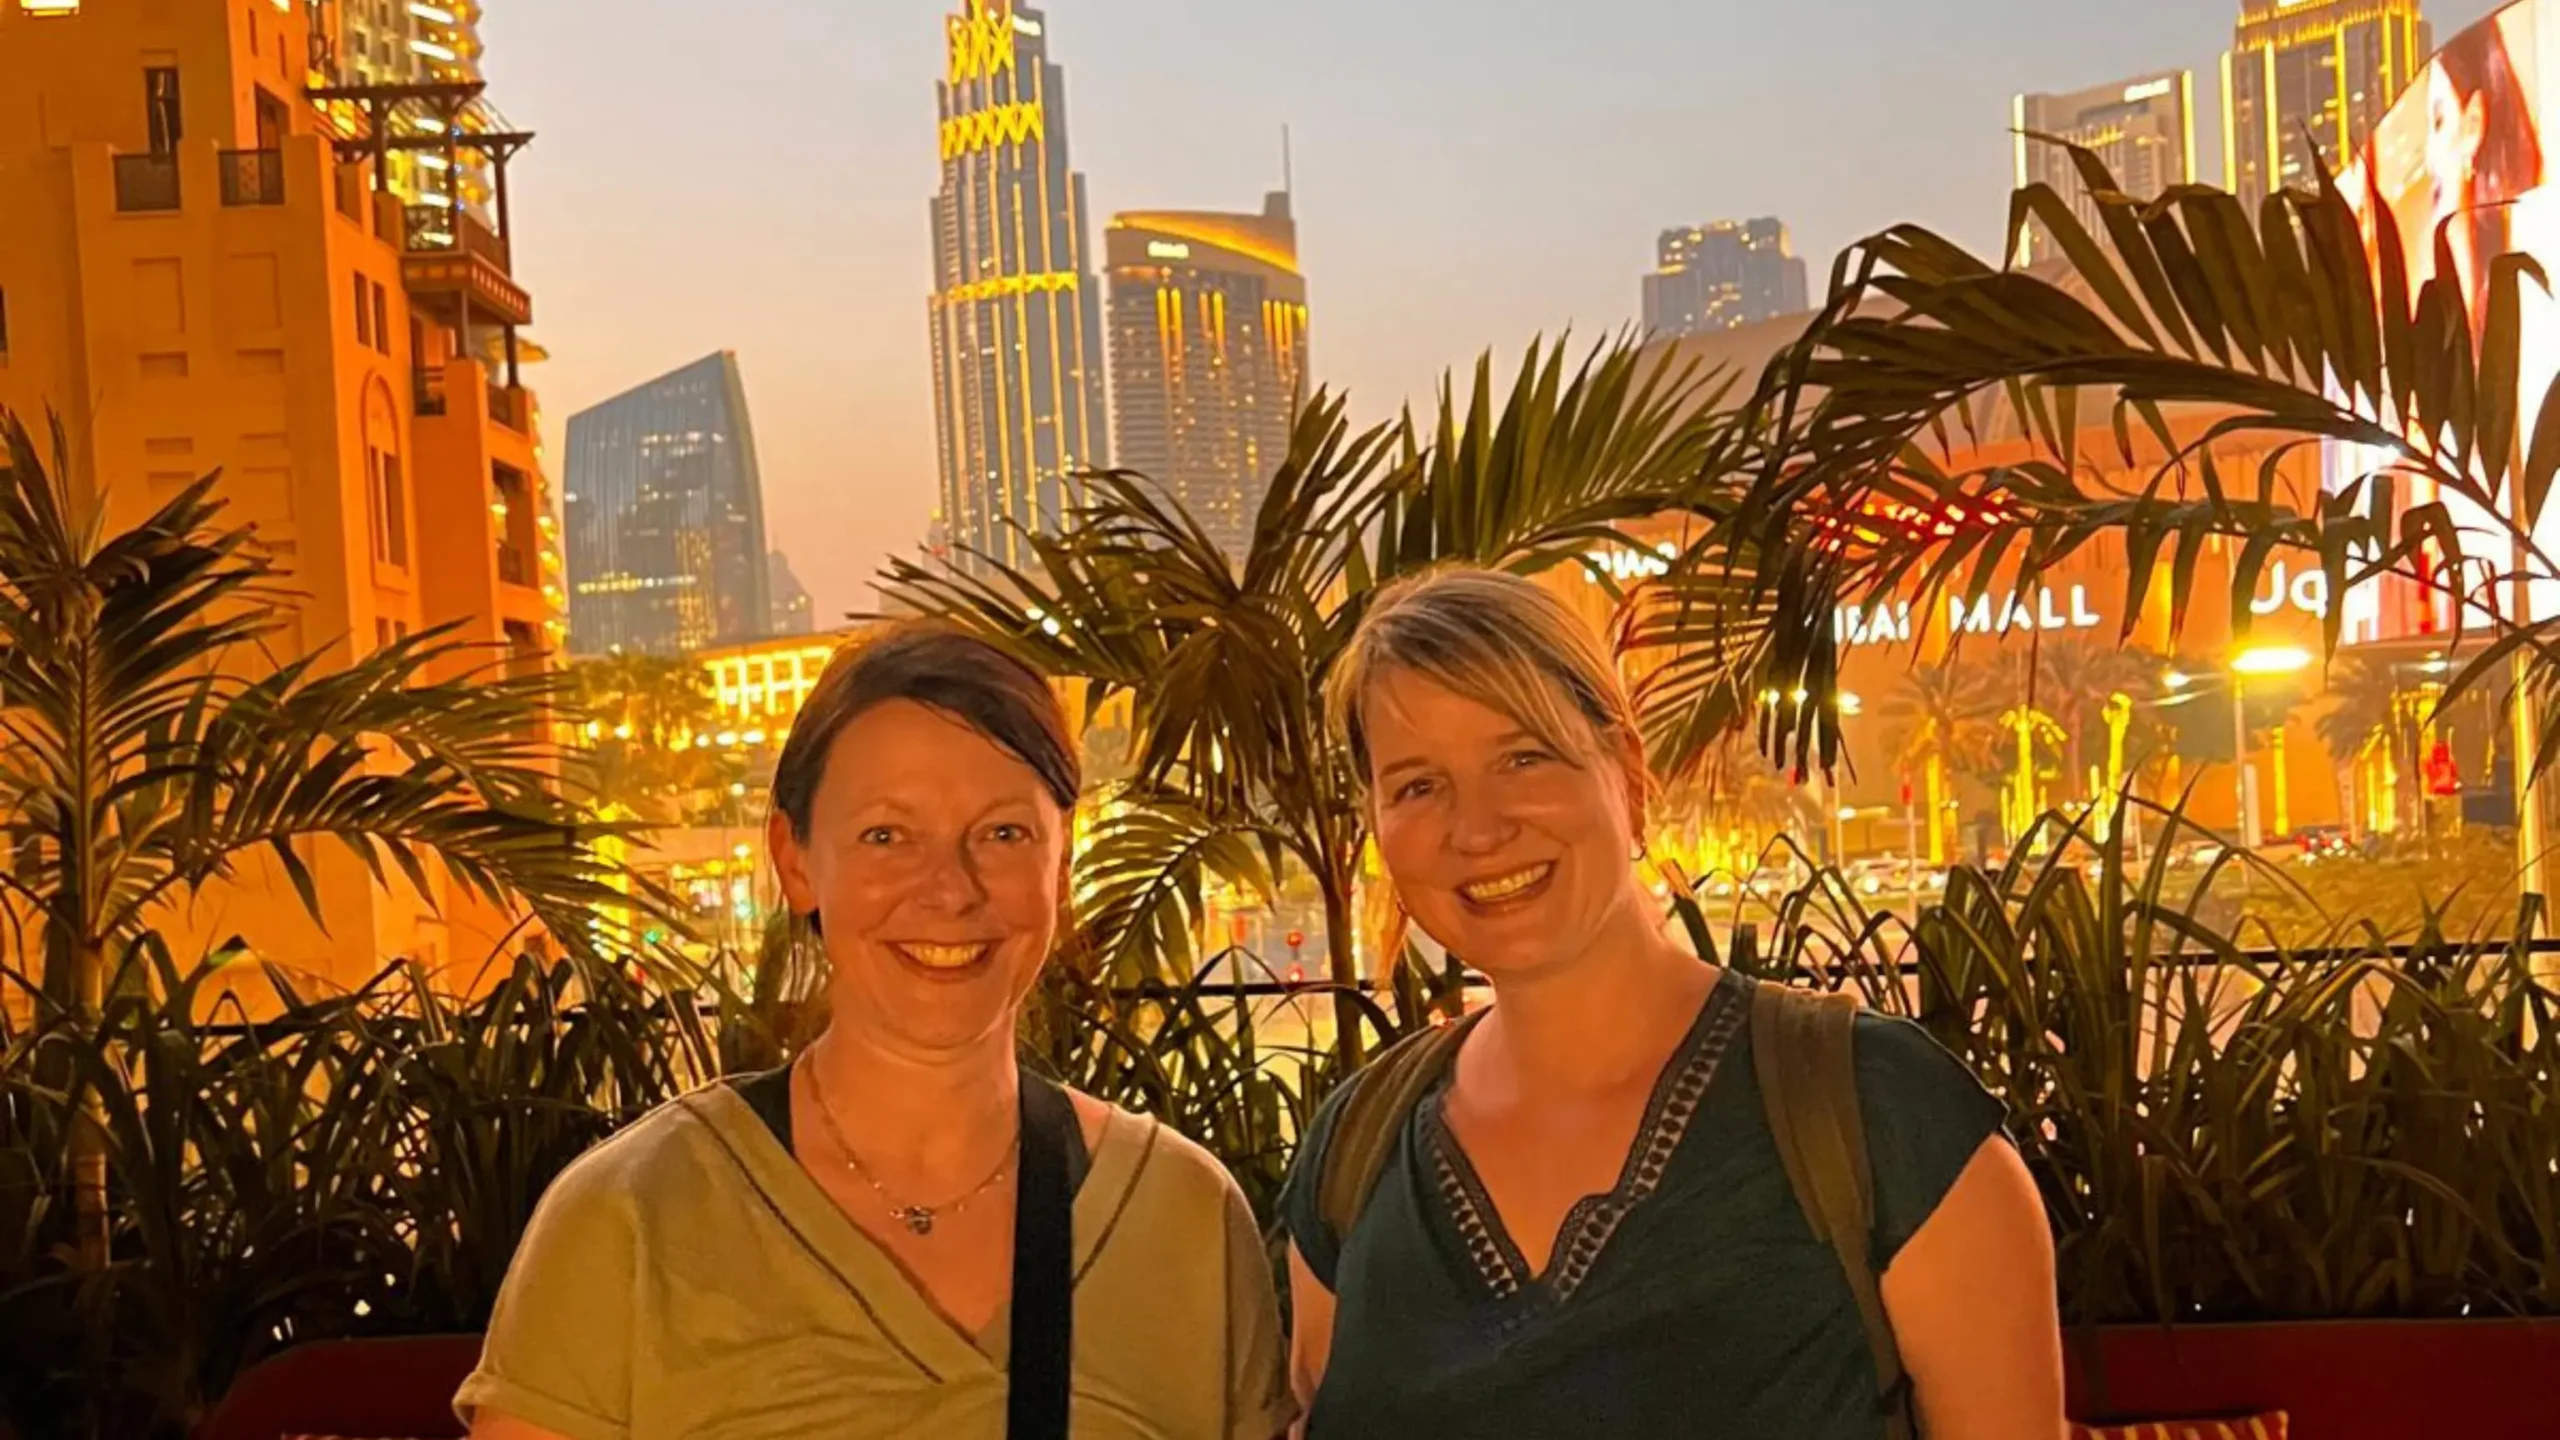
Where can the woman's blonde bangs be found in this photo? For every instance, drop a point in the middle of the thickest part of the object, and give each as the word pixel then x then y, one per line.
pixel 1497 640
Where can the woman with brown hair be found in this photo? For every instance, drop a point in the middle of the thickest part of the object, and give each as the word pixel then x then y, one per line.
pixel 1637 1197
pixel 905 1232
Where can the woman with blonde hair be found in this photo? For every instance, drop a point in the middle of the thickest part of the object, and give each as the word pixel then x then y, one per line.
pixel 1637 1196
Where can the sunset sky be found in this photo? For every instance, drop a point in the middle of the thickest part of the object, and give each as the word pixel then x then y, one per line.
pixel 753 175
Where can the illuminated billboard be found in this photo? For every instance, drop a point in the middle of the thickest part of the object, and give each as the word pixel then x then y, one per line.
pixel 2461 155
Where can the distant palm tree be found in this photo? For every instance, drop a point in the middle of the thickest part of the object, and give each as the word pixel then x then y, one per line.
pixel 643 715
pixel 2362 702
pixel 1735 792
pixel 1948 716
pixel 2073 678
pixel 2365 711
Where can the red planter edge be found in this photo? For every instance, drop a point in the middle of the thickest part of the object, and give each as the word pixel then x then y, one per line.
pixel 2338 1380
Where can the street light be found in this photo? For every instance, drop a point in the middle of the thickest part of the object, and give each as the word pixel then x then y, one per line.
pixel 2263 662
pixel 2272 660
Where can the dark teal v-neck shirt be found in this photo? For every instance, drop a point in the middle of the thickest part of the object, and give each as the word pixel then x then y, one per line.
pixel 1692 1300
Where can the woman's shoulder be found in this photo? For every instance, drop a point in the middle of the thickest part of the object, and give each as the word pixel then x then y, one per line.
pixel 1162 1160
pixel 640 1161
pixel 1903 1069
pixel 1926 1114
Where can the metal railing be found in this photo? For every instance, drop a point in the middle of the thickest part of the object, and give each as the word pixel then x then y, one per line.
pixel 147 183
pixel 506 406
pixel 513 567
pixel 431 228
pixel 428 393
pixel 252 177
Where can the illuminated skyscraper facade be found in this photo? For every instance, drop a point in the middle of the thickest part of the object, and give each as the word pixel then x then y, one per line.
pixel 1017 322
pixel 666 517
pixel 1722 276
pixel 2328 68
pixel 1208 354
pixel 414 42
pixel 2143 128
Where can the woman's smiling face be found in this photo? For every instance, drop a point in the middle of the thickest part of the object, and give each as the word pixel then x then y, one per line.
pixel 1504 848
pixel 935 859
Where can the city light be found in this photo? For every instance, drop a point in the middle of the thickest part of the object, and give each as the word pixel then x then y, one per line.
pixel 2273 660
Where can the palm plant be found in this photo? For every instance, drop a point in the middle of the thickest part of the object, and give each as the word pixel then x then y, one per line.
pixel 2354 1123
pixel 1222 661
pixel 2073 678
pixel 642 713
pixel 152 744
pixel 1948 715
pixel 2224 348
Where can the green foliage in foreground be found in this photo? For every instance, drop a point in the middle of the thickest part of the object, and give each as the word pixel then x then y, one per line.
pixel 2346 1129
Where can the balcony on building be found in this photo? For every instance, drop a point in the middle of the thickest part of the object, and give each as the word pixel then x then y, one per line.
pixel 507 403
pixel 252 177
pixel 147 184
pixel 456 266
pixel 453 263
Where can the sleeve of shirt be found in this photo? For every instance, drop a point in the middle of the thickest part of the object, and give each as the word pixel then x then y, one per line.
pixel 1925 1117
pixel 1299 1213
pixel 1259 1405
pixel 558 1353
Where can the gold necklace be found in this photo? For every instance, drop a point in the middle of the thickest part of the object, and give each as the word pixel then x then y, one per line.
pixel 919 1219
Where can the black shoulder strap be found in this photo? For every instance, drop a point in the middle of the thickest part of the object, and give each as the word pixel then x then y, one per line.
pixel 1374 1114
pixel 1042 1364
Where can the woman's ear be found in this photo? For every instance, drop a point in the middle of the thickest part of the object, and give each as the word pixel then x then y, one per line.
pixel 790 865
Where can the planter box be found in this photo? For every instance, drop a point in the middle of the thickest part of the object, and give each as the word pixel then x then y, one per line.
pixel 400 1387
pixel 2339 1380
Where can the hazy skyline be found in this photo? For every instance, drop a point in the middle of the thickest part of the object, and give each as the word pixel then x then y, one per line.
pixel 755 175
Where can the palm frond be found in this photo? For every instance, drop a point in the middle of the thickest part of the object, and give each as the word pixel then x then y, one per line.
pixel 2225 347
pixel 1144 881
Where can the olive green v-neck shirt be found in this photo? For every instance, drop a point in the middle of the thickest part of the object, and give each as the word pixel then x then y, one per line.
pixel 687 1280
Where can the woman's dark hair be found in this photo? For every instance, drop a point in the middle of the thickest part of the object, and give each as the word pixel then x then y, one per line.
pixel 964 677
pixel 2510 160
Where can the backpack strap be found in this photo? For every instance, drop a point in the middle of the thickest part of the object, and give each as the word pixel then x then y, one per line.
pixel 1802 1053
pixel 1373 1115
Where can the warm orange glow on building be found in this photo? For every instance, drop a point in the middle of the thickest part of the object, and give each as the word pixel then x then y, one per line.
pixel 195 279
pixel 1888 641
pixel 2311 71
pixel 763 685
pixel 1208 354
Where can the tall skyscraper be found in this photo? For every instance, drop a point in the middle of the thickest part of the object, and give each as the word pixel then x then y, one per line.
pixel 1208 354
pixel 2144 128
pixel 666 516
pixel 1721 276
pixel 1017 325
pixel 2328 67
pixel 403 42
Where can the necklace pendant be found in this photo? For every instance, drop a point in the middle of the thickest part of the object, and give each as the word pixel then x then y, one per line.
pixel 917 1219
